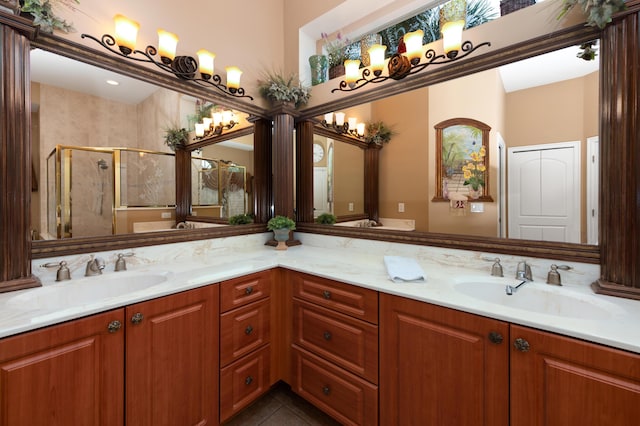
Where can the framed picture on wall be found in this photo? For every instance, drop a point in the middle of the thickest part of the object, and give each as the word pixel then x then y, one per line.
pixel 462 159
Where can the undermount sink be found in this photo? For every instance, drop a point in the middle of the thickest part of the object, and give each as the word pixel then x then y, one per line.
pixel 85 291
pixel 544 299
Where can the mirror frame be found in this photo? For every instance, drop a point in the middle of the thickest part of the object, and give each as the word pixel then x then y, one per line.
pixel 50 248
pixel 561 251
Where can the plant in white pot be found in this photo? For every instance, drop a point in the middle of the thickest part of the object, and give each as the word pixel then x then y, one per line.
pixel 281 226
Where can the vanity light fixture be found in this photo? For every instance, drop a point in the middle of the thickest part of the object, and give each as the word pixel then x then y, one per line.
pixel 216 124
pixel 350 128
pixel 183 67
pixel 410 62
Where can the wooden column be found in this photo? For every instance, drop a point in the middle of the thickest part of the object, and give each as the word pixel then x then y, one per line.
pixel 15 154
pixel 620 158
pixel 283 163
pixel 262 170
pixel 371 181
pixel 183 184
pixel 304 171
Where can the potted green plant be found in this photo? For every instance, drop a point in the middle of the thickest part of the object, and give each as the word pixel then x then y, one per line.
pixel 378 133
pixel 241 219
pixel 175 137
pixel 44 16
pixel 278 87
pixel 336 53
pixel 281 226
pixel 598 13
pixel 326 219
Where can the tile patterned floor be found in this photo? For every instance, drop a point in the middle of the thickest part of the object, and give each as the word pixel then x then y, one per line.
pixel 281 407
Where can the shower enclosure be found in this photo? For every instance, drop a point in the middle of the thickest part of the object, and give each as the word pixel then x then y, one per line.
pixel 93 191
pixel 218 188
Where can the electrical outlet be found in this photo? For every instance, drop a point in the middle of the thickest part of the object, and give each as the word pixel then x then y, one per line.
pixel 165 215
pixel 350 207
pixel 400 207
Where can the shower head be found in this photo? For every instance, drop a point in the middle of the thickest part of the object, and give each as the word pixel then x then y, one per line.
pixel 103 164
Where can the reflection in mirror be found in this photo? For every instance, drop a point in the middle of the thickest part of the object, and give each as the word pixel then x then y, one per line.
pixel 335 161
pixel 529 105
pixel 221 179
pixel 115 172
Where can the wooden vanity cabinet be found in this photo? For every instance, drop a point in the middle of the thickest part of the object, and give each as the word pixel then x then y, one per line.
pixel 558 380
pixel 172 359
pixel 67 374
pixel 335 348
pixel 245 341
pixel 439 366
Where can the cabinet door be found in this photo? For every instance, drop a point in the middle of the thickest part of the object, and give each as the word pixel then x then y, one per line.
pixel 557 380
pixel 172 361
pixel 439 366
pixel 68 374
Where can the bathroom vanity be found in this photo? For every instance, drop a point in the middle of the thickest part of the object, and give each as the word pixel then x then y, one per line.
pixel 361 348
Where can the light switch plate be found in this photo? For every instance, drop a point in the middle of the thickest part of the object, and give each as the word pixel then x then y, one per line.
pixel 477 207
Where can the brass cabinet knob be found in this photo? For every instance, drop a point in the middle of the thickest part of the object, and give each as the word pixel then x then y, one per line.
pixel 521 344
pixel 114 326
pixel 248 330
pixel 326 294
pixel 327 335
pixel 326 390
pixel 137 318
pixel 248 380
pixel 248 290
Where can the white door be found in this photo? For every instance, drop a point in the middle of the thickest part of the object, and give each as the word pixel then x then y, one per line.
pixel 593 189
pixel 544 192
pixel 320 199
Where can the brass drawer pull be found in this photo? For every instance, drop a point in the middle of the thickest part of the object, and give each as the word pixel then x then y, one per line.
pixel 114 326
pixel 248 380
pixel 248 330
pixel 327 335
pixel 326 390
pixel 248 290
pixel 521 344
pixel 137 318
pixel 326 294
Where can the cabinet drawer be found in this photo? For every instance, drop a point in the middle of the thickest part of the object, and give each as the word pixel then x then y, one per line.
pixel 346 397
pixel 240 291
pixel 244 381
pixel 243 330
pixel 346 341
pixel 351 300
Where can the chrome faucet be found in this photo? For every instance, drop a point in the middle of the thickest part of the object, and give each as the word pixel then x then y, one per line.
pixel 523 271
pixel 94 267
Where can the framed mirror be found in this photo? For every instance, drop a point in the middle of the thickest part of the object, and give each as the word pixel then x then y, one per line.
pixel 99 149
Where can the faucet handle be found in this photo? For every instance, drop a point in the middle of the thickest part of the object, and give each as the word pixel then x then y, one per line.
pixel 121 265
pixel 496 268
pixel 553 277
pixel 63 273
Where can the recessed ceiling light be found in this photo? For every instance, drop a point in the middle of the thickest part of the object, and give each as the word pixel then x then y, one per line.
pixel 113 82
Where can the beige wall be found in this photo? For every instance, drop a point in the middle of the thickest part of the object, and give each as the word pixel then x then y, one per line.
pixel 349 172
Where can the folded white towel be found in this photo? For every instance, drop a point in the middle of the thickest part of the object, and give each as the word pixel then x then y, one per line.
pixel 404 269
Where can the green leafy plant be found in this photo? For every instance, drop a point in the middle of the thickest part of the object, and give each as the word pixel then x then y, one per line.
pixel 241 219
pixel 598 12
pixel 377 132
pixel 280 222
pixel 44 16
pixel 276 86
pixel 175 137
pixel 336 49
pixel 326 219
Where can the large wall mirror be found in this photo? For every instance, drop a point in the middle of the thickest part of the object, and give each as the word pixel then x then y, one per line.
pixel 102 168
pixel 543 115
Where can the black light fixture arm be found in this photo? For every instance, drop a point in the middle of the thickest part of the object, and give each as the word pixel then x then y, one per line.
pixel 399 66
pixel 183 67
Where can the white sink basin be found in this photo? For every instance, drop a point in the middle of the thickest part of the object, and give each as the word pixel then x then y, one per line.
pixel 542 299
pixel 86 291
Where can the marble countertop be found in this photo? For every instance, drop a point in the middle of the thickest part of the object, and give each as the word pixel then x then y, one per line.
pixel 591 317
